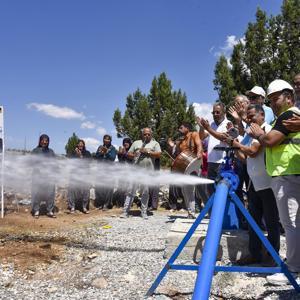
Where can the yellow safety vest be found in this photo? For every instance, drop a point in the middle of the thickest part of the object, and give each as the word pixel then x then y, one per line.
pixel 284 159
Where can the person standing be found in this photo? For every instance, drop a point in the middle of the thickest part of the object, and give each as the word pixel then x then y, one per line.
pixel 43 186
pixel 143 152
pixel 283 165
pixel 123 151
pixel 105 154
pixel 120 193
pixel 261 199
pixel 189 141
pixel 79 191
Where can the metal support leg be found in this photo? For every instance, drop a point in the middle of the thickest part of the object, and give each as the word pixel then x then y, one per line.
pixel 265 241
pixel 182 244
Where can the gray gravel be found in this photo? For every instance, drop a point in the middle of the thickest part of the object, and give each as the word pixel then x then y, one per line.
pixel 120 261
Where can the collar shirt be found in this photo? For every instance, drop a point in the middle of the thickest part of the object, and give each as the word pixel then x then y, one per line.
pixel 216 156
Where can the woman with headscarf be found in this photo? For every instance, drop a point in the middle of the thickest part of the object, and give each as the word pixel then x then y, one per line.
pixel 79 191
pixel 43 187
pixel 123 151
pixel 120 193
pixel 105 154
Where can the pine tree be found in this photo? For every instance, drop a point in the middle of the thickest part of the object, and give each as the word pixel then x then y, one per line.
pixel 163 110
pixel 223 81
pixel 271 50
pixel 71 144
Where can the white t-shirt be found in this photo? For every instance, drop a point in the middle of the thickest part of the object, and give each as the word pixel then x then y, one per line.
pixel 216 156
pixel 256 166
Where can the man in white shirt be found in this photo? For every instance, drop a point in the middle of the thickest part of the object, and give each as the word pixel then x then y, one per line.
pixel 262 202
pixel 216 133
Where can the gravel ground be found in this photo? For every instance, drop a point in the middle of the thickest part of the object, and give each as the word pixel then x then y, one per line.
pixel 120 260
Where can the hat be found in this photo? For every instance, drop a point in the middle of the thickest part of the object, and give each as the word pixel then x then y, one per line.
pixel 278 85
pixel 257 90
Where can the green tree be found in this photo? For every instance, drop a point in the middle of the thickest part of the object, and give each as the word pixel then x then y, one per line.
pixel 271 50
pixel 223 81
pixel 71 144
pixel 163 110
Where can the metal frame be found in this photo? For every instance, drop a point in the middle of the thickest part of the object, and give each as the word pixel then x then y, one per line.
pixel 206 268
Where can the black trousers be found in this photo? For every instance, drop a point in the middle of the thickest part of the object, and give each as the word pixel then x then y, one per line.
pixel 262 204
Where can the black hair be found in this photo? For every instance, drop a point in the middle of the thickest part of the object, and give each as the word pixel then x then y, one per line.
pixel 107 136
pixel 257 107
pixel 127 140
pixel 187 125
pixel 81 141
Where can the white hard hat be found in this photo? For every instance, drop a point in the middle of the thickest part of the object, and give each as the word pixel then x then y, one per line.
pixel 278 85
pixel 257 90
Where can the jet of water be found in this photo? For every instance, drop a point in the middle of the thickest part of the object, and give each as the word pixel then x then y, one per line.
pixel 21 171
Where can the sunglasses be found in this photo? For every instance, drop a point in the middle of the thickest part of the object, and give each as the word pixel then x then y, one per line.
pixel 253 97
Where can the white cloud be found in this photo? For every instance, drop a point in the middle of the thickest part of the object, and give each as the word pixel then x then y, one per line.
pixel 230 42
pixel 211 49
pixel 91 144
pixel 87 125
pixel 101 130
pixel 226 49
pixel 203 110
pixel 56 111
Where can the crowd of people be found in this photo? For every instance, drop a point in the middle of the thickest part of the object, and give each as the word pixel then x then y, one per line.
pixel 267 161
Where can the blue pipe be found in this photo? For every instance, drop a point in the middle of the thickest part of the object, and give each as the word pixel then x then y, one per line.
pixel 210 251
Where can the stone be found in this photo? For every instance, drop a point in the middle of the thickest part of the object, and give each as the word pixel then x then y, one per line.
pixel 52 289
pixel 92 256
pixel 100 283
pixel 129 277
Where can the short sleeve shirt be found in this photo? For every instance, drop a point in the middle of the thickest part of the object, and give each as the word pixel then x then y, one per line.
pixel 145 161
pixel 216 156
pixel 278 124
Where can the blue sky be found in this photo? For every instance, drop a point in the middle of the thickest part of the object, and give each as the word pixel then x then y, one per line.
pixel 66 65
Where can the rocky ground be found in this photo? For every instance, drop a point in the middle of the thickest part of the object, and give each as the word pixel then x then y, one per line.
pixel 100 256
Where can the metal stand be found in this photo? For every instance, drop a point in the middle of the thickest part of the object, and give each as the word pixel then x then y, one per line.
pixel 225 191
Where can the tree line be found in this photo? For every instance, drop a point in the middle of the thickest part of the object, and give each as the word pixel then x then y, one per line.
pixel 270 49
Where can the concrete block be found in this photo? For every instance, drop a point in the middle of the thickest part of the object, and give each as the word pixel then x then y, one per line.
pixel 233 244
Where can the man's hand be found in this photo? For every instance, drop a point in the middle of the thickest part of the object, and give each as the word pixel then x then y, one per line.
pixel 240 110
pixel 256 131
pixel 204 123
pixel 144 150
pixel 232 110
pixel 170 143
pixel 199 155
pixel 292 124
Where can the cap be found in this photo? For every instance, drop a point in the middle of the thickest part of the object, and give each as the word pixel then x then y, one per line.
pixel 257 90
pixel 278 85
